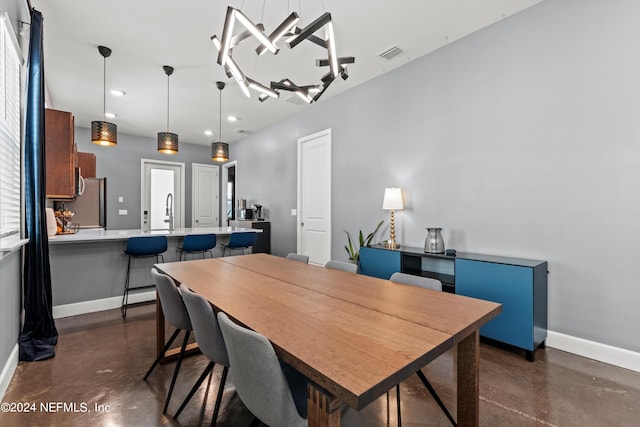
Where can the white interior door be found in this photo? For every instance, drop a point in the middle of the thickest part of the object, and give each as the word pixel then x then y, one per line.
pixel 162 189
pixel 204 201
pixel 314 197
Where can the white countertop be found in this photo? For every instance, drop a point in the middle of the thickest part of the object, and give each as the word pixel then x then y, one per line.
pixel 98 235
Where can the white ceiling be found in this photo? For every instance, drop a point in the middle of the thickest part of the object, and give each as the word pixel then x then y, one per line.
pixel 147 34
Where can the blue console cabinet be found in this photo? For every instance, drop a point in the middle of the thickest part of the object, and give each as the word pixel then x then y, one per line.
pixel 520 285
pixel 379 263
pixel 522 291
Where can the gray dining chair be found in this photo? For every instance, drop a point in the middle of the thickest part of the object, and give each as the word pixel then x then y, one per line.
pixel 413 280
pixel 176 314
pixel 274 392
pixel 436 285
pixel 210 342
pixel 298 257
pixel 344 266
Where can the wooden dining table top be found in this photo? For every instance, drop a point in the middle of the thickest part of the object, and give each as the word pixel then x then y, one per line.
pixel 353 335
pixel 452 314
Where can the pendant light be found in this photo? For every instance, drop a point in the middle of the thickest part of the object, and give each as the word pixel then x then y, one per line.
pixel 220 150
pixel 103 132
pixel 167 141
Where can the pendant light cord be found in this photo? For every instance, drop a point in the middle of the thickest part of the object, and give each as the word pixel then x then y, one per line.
pixel 220 122
pixel 104 88
pixel 167 103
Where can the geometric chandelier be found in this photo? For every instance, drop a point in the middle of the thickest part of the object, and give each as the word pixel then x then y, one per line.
pixel 293 37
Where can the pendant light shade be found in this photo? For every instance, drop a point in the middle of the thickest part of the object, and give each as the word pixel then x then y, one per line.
pixel 219 149
pixel 167 141
pixel 104 132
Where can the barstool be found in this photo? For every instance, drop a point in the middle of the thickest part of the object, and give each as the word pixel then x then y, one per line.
pixel 197 243
pixel 141 247
pixel 240 240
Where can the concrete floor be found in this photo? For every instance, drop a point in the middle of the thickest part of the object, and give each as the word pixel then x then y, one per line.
pixel 100 360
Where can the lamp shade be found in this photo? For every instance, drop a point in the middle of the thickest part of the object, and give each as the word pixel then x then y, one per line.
pixel 104 133
pixel 219 151
pixel 167 143
pixel 392 199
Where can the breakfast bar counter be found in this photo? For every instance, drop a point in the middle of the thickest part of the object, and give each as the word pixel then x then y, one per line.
pixel 88 268
pixel 99 234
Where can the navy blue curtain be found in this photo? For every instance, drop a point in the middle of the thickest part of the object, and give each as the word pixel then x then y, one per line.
pixel 39 335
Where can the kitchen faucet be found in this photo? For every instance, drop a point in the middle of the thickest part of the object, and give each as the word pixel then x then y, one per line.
pixel 169 211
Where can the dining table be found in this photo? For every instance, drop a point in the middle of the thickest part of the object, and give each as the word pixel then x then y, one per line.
pixel 354 336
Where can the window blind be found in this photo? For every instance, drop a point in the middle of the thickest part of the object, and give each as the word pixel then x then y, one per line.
pixel 10 159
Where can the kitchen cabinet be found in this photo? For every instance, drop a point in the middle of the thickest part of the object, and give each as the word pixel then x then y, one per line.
pixel 60 155
pixel 87 165
pixel 520 285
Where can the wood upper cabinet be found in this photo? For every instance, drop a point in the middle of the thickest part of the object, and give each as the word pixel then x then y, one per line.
pixel 61 155
pixel 87 164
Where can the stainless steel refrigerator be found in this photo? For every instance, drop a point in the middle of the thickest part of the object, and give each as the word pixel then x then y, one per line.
pixel 91 206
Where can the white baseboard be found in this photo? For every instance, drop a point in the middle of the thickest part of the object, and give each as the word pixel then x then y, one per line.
pixel 594 350
pixel 99 304
pixel 8 370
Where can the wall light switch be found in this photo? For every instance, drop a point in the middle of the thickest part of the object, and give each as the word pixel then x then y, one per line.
pixel 294 212
pixel 121 199
pixel 123 212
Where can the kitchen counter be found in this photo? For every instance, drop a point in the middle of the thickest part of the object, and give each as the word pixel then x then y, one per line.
pixel 88 268
pixel 97 235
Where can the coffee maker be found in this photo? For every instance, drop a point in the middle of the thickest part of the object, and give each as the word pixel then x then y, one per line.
pixel 243 213
pixel 257 213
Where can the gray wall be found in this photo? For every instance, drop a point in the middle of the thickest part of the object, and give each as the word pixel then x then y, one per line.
pixel 121 166
pixel 10 304
pixel 519 140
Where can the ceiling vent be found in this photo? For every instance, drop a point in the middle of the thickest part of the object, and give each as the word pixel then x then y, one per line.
pixel 239 130
pixel 390 53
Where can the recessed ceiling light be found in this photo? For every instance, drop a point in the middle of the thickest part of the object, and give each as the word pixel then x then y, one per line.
pixel 208 132
pixel 110 115
pixel 232 118
pixel 116 92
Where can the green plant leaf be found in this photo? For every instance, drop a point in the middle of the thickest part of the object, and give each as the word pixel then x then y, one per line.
pixel 367 242
pixel 352 250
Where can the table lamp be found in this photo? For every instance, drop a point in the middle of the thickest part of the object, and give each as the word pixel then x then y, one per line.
pixel 392 201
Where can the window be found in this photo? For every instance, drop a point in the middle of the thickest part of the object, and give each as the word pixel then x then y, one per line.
pixel 10 202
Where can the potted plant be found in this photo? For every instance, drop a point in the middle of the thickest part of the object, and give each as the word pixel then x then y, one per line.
pixel 352 249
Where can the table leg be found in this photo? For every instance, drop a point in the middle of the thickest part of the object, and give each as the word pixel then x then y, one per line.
pixel 468 384
pixel 324 409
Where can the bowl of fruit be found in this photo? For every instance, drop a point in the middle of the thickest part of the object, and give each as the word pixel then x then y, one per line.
pixel 63 221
